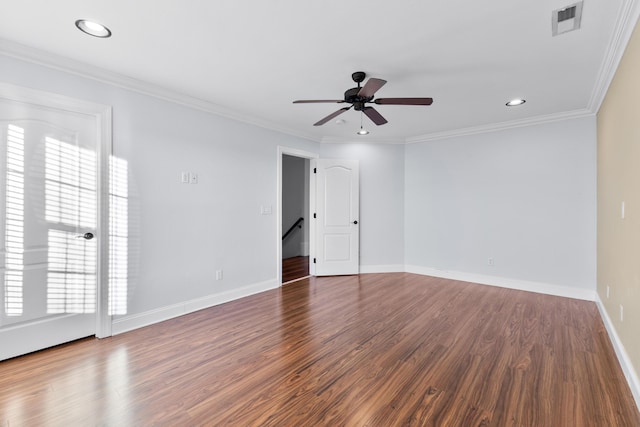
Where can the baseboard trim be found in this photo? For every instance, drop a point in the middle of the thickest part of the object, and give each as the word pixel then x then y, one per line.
pixel 135 321
pixel 391 268
pixel 623 357
pixel 129 323
pixel 503 282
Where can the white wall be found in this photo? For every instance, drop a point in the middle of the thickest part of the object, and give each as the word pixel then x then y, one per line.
pixel 381 202
pixel 180 234
pixel 525 197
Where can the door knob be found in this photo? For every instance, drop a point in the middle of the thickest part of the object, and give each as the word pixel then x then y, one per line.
pixel 355 222
pixel 87 236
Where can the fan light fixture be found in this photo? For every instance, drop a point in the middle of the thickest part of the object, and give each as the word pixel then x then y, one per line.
pixel 362 130
pixel 515 102
pixel 93 28
pixel 359 97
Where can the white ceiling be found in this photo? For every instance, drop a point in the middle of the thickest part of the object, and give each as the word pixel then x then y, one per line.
pixel 250 59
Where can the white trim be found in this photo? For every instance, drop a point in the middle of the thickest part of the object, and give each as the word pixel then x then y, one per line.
pixel 627 18
pixel 496 127
pixel 503 282
pixel 104 124
pixel 391 268
pixel 544 288
pixel 312 224
pixel 135 321
pixel 52 100
pixel 295 280
pixel 282 150
pixel 625 362
pixel 474 130
pixel 36 56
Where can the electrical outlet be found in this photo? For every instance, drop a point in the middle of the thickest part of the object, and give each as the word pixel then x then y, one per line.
pixel 621 313
pixel 218 274
pixel 490 262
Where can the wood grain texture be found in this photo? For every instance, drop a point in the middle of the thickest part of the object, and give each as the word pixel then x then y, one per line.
pixel 371 350
pixel 295 268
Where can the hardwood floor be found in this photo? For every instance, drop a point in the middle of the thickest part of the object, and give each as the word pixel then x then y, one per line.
pixel 294 268
pixel 368 350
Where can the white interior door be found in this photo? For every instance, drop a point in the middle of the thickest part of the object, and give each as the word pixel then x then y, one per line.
pixel 337 217
pixel 48 223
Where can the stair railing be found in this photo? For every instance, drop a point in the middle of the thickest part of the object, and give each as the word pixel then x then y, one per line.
pixel 297 224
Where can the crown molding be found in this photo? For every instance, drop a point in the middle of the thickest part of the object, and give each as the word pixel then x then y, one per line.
pixel 627 18
pixel 474 130
pixel 495 127
pixel 49 60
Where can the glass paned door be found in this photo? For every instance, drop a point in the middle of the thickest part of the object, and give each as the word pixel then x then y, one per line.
pixel 48 226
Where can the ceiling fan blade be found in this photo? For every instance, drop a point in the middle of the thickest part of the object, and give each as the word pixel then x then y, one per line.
pixel 375 117
pixel 404 101
pixel 331 116
pixel 371 87
pixel 314 101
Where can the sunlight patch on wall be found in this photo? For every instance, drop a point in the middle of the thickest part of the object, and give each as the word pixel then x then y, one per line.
pixel 118 236
pixel 14 222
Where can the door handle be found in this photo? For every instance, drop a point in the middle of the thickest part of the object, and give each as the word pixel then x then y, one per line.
pixel 355 222
pixel 86 236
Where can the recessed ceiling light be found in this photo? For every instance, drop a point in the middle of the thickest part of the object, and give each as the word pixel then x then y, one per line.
pixel 515 102
pixel 93 28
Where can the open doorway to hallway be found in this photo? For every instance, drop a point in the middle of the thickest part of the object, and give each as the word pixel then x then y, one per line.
pixel 295 220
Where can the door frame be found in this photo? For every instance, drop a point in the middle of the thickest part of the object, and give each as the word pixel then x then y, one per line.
pixel 103 119
pixel 282 150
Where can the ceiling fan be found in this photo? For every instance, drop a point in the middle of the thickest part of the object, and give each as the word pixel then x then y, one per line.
pixel 359 96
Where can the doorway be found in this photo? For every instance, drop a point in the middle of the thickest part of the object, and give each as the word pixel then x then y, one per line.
pixel 295 240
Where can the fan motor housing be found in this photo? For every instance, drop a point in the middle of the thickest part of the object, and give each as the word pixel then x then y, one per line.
pixel 359 96
pixel 351 96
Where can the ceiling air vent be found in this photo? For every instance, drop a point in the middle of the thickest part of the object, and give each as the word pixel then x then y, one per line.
pixel 566 19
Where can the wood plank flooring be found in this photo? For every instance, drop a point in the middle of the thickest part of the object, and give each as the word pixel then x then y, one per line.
pixel 294 268
pixel 370 350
